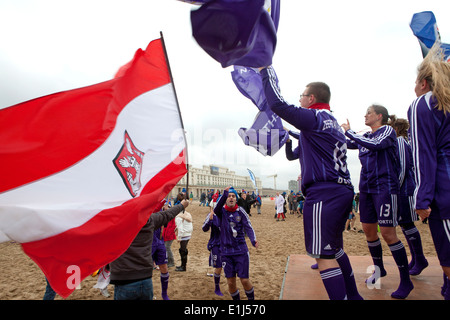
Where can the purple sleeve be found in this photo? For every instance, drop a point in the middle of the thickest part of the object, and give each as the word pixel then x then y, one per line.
pixel 248 228
pixel 351 144
pixel 291 154
pixel 207 223
pixel 423 146
pixel 380 142
pixel 294 134
pixel 301 118
pixel 220 203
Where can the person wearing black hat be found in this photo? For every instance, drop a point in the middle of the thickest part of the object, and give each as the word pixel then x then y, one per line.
pixel 245 202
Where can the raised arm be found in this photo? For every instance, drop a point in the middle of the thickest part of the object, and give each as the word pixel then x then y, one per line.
pixel 382 141
pixel 301 118
pixel 163 217
pixel 221 202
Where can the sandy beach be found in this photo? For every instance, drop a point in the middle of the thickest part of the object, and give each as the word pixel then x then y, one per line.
pixel 21 279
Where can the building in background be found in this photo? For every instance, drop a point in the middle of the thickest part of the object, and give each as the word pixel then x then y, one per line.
pixel 214 177
pixel 293 185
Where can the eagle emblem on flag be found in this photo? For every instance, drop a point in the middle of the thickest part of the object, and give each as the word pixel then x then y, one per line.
pixel 128 163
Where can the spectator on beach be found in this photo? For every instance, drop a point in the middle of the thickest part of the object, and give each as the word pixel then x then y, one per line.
pixel 184 230
pixel 300 201
pixel 169 236
pixel 202 199
pixel 49 294
pixel 132 272
pixel 258 204
pixel 209 197
pixel 279 203
pixel 350 224
pixel 291 200
pixel 356 199
pixel 214 198
pixel 245 202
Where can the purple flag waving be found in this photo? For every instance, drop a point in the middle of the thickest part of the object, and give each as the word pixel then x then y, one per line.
pixel 424 27
pixel 266 134
pixel 237 32
pixel 249 83
pixel 243 33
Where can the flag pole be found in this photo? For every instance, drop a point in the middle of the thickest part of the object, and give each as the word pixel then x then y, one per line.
pixel 179 112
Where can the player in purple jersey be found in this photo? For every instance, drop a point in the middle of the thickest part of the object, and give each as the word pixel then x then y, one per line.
pixel 234 225
pixel 429 117
pixel 215 258
pixel 406 212
pixel 379 187
pixel 322 152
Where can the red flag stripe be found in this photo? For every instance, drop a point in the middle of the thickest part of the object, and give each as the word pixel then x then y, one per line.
pixel 103 238
pixel 51 133
pixel 123 134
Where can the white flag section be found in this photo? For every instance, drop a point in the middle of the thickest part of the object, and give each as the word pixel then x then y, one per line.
pixel 79 188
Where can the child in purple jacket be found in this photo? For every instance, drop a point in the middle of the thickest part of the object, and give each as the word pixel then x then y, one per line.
pixel 234 225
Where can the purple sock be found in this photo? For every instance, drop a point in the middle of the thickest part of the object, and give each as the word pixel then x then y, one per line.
pixel 250 294
pixel 447 294
pixel 376 251
pixel 418 260
pixel 445 285
pixel 236 295
pixel 164 285
pixel 217 284
pixel 349 277
pixel 334 283
pixel 401 259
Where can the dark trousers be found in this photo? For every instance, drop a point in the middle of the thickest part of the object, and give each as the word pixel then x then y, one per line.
pixel 183 252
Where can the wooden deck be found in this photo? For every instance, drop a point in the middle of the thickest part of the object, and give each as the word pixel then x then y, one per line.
pixel 303 283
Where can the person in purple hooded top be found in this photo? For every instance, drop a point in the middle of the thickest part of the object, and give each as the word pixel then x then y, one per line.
pixel 429 118
pixel 234 225
pixel 326 184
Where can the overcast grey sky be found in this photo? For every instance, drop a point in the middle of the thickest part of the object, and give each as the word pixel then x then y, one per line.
pixel 364 50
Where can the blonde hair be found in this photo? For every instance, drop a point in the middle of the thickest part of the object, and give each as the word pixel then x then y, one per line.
pixel 436 72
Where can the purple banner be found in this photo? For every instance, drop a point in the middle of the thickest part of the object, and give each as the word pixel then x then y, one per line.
pixel 266 134
pixel 237 32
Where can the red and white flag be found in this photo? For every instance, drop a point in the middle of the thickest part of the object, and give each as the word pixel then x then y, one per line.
pixel 82 170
